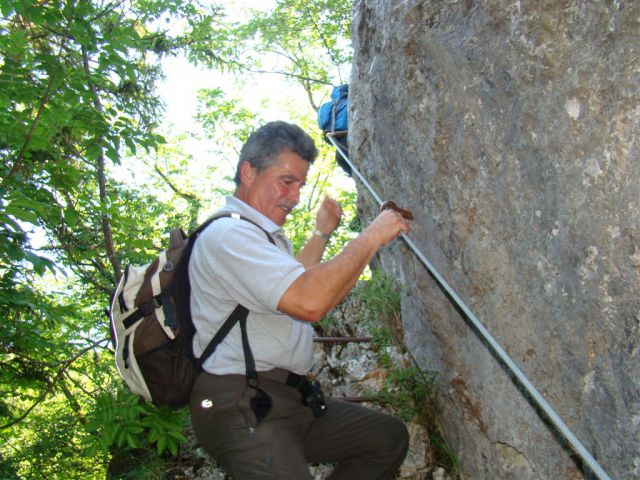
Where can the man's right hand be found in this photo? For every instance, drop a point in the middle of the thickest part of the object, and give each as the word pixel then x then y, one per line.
pixel 387 226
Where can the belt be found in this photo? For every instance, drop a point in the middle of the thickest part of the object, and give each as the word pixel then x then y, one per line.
pixel 312 395
pixel 285 376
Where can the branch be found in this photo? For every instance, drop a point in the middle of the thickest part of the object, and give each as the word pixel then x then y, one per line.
pixel 75 406
pixel 307 88
pixel 67 243
pixel 102 182
pixel 287 74
pixel 191 199
pixel 27 140
pixel 324 40
pixel 108 9
pixel 177 191
pixel 43 103
pixel 239 66
pixel 76 265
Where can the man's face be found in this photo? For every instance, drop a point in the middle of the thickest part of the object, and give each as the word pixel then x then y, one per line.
pixel 276 190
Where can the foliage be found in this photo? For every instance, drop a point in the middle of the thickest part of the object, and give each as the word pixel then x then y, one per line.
pixel 76 91
pixel 225 120
pixel 443 454
pixel 376 302
pixel 373 308
pixel 308 41
pixel 127 421
pixel 411 392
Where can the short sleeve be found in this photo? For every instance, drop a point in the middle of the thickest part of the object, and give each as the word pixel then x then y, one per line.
pixel 253 271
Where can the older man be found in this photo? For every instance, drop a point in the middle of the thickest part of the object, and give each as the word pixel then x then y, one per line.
pixel 273 427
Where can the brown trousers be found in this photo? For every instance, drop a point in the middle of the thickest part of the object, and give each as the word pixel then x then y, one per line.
pixel 363 444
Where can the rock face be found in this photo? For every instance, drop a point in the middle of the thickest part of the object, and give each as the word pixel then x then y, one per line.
pixel 511 130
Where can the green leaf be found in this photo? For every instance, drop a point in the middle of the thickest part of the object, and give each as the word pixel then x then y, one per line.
pixel 39 263
pixel 172 446
pixel 177 435
pixel 154 435
pixel 131 441
pixel 161 445
pixel 131 144
pixel 71 217
pixel 22 214
pixel 112 153
pixel 93 152
pixel 6 8
pixel 121 437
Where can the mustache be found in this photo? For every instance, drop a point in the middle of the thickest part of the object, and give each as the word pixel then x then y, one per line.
pixel 287 205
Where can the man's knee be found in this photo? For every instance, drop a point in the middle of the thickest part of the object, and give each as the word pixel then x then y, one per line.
pixel 395 437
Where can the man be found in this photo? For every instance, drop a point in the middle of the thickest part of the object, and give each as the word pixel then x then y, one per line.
pixel 233 262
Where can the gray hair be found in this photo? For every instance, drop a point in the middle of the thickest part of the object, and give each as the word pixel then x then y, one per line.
pixel 267 142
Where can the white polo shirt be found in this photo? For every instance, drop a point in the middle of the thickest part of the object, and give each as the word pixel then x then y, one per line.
pixel 233 262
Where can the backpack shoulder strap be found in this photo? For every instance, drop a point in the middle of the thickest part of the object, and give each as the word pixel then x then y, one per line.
pixel 238 313
pixel 210 220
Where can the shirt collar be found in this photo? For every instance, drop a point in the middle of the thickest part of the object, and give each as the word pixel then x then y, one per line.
pixel 234 204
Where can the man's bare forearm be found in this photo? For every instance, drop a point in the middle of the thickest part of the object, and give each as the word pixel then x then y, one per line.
pixel 312 251
pixel 324 285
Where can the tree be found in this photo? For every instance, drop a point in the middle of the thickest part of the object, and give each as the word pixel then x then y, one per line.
pixel 76 88
pixel 77 93
pixel 308 42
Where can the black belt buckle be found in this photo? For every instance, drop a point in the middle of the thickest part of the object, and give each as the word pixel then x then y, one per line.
pixel 295 381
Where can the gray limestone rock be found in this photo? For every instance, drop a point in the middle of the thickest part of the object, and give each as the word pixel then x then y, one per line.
pixel 511 131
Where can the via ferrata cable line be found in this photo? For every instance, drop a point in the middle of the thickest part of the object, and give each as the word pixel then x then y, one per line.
pixel 495 347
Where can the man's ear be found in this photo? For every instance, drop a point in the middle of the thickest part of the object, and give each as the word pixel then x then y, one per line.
pixel 247 173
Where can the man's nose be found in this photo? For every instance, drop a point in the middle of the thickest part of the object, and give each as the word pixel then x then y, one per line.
pixel 294 195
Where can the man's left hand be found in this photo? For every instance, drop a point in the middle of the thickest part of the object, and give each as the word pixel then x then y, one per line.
pixel 328 216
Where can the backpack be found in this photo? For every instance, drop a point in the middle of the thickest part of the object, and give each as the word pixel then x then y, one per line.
pixel 152 329
pixel 332 116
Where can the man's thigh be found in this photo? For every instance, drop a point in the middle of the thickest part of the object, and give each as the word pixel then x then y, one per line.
pixel 360 440
pixel 227 429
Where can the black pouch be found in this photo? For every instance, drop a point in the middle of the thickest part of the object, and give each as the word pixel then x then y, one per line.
pixel 261 404
pixel 313 398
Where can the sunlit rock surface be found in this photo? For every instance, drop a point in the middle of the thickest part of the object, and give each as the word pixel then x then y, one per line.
pixel 511 130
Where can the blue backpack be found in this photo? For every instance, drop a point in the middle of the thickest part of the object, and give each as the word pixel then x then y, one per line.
pixel 332 116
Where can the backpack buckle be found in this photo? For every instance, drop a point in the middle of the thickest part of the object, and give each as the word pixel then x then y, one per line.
pixel 149 307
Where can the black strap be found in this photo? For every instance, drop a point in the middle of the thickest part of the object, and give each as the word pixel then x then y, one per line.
pixel 238 314
pixel 123 304
pixel 296 381
pixel 125 352
pixel 143 310
pixel 207 222
pixel 170 315
pixel 249 362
